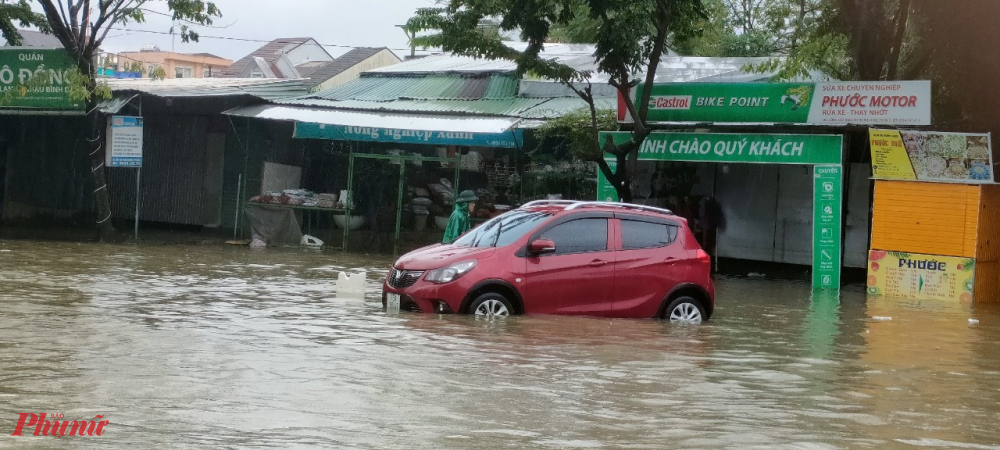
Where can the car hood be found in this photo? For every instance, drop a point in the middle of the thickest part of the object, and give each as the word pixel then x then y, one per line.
pixel 438 256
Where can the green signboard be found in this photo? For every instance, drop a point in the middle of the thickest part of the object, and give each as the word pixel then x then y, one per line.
pixel 36 79
pixel 738 148
pixel 827 203
pixel 822 151
pixel 729 102
pixel 605 191
pixel 835 103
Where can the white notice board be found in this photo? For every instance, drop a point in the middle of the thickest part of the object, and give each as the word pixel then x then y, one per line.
pixel 125 142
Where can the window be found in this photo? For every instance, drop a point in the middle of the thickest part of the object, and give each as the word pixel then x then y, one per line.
pixel 183 72
pixel 637 235
pixel 579 236
pixel 503 230
pixel 207 73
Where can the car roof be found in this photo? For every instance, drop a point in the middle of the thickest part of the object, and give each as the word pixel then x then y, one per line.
pixel 569 205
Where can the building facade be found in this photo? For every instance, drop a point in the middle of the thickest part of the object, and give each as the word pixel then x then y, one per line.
pixel 175 65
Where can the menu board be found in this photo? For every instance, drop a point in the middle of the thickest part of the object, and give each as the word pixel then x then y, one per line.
pixel 931 156
pixel 920 277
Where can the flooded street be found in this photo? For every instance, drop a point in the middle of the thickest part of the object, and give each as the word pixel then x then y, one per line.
pixel 224 346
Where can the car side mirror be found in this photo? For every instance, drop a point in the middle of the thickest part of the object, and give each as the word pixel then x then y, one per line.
pixel 541 247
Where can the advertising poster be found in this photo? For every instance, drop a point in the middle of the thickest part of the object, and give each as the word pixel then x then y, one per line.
pixel 920 277
pixel 932 156
pixel 836 103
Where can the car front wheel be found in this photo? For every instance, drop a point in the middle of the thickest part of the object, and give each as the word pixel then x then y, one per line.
pixel 491 305
pixel 684 310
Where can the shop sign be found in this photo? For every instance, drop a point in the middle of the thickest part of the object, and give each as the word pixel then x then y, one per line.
pixel 738 148
pixel 827 203
pixel 125 142
pixel 920 277
pixel 36 78
pixel 509 139
pixel 840 103
pixel 606 192
pixel 931 156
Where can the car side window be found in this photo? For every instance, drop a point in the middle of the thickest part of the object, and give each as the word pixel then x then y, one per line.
pixel 639 235
pixel 579 236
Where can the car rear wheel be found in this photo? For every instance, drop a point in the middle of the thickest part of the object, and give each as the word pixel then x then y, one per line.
pixel 491 305
pixel 684 310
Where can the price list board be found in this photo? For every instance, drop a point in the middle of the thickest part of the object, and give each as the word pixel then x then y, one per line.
pixel 923 277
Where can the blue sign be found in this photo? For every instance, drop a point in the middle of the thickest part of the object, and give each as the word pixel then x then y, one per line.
pixel 125 142
pixel 508 139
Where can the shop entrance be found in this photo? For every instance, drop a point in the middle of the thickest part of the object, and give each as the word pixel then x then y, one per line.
pixel 823 153
pixel 402 160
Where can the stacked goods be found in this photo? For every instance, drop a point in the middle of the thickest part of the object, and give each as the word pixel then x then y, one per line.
pixel 297 197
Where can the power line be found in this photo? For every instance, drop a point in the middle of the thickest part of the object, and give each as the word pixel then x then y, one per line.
pixel 227 38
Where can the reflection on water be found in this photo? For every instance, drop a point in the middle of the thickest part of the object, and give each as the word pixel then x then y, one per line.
pixel 213 346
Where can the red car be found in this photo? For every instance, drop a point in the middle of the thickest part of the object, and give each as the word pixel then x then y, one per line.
pixel 562 257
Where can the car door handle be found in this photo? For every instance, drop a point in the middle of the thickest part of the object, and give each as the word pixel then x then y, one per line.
pixel 598 263
pixel 671 261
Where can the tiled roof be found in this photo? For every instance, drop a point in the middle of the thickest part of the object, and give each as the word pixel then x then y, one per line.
pixel 344 62
pixel 269 52
pixel 35 39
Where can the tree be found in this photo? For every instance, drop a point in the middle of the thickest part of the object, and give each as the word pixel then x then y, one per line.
pixel 15 13
pixel 630 39
pixel 572 132
pixel 81 26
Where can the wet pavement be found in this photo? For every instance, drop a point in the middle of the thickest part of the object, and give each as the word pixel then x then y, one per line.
pixel 212 346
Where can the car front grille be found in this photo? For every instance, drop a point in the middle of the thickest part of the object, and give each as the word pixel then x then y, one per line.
pixel 402 279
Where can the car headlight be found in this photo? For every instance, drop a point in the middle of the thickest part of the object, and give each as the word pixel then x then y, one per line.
pixel 450 273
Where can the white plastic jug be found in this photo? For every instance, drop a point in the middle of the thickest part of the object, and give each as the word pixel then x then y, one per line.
pixel 352 285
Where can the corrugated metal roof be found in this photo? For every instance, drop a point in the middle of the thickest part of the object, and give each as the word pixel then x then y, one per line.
pixel 268 89
pixel 548 89
pixel 557 107
pixel 422 87
pixel 418 122
pixel 512 107
pixel 447 63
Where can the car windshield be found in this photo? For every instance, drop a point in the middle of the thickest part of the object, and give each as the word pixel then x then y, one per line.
pixel 503 230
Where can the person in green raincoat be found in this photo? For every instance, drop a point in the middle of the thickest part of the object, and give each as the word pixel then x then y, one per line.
pixel 459 222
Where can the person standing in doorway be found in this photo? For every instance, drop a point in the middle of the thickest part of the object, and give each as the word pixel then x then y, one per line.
pixel 459 222
pixel 712 220
pixel 686 209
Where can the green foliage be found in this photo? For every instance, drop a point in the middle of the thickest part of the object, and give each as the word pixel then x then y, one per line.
pixel 624 35
pixel 20 90
pixel 18 13
pixel 574 133
pixel 158 74
pixel 105 14
pixel 629 37
pixel 134 66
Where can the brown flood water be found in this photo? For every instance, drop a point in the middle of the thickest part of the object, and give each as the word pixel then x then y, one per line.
pixel 209 346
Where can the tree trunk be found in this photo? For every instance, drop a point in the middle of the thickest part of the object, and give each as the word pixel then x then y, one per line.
pixel 95 144
pixel 897 41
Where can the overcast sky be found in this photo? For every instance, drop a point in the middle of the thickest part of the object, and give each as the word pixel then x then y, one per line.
pixel 349 23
